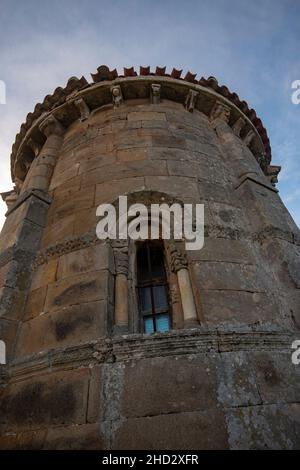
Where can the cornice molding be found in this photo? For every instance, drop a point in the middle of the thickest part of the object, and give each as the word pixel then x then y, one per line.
pixel 79 97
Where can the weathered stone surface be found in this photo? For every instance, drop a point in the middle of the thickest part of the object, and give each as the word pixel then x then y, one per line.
pixel 57 399
pixel 72 381
pixel 76 437
pixel 72 325
pixel 85 287
pixel 198 430
pixel 173 386
pixel 264 427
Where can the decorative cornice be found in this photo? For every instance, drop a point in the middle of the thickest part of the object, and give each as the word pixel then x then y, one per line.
pixel 138 346
pixel 66 246
pixel 64 105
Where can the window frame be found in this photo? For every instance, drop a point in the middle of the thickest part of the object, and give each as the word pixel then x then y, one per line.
pixel 151 283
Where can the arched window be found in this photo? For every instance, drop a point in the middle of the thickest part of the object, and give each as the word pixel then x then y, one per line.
pixel 152 288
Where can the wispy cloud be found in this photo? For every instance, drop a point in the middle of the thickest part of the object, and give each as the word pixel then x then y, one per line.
pixel 252 47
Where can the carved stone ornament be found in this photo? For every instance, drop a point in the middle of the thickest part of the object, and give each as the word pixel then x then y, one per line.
pixel 83 109
pixel 220 111
pixel 191 100
pixel 116 94
pixel 177 257
pixel 155 93
pixel 248 137
pixel 238 126
pixel 120 250
pixel 51 126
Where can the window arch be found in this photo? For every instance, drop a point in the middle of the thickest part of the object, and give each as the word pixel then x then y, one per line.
pixel 152 287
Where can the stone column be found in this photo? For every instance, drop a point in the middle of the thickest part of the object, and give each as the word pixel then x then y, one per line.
pixel 179 266
pixel 121 287
pixel 39 176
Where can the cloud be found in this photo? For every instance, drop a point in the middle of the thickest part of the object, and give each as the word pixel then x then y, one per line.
pixel 249 46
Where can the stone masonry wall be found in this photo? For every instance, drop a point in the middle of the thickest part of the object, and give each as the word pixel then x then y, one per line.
pixel 230 382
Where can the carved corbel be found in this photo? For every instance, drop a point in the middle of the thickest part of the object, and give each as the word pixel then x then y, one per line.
pixel 155 93
pixel 249 137
pixel 35 146
pixel 83 109
pixel 238 126
pixel 9 197
pixel 51 126
pixel 191 100
pixel 272 172
pixel 116 94
pixel 220 112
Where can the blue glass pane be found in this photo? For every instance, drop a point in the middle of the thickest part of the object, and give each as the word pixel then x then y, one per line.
pixel 162 323
pixel 145 294
pixel 148 325
pixel 160 297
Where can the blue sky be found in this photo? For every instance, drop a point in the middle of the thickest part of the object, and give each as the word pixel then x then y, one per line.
pixel 252 47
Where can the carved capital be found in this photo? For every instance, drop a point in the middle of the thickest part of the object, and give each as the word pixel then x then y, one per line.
pixel 116 94
pixel 51 126
pixel 120 250
pixel 220 111
pixel 155 93
pixel 83 109
pixel 191 100
pixel 238 126
pixel 177 258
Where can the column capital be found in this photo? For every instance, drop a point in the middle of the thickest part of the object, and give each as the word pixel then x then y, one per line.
pixel 120 250
pixel 51 126
pixel 177 258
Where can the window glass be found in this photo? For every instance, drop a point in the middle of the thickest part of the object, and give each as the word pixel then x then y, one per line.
pixel 152 289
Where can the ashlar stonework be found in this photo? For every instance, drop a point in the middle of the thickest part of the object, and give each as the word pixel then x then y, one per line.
pixel 80 372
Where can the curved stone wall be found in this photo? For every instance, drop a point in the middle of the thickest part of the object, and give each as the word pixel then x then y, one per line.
pixel 74 380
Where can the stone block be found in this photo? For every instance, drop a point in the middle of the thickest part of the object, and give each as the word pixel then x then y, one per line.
pixel 27 440
pixel 185 189
pixel 68 326
pixel 84 287
pixel 264 427
pixel 146 116
pixel 58 231
pixel 93 258
pixel 110 191
pixel 172 386
pixel 59 398
pixel 277 378
pixel 35 302
pixel 123 170
pixel 227 276
pixel 44 274
pixel 203 430
pixel 76 437
pixel 234 308
pixel 237 384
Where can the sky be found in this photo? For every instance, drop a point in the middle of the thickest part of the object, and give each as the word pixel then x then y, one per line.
pixel 253 47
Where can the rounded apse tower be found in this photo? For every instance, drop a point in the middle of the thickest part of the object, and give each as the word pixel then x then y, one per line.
pixel 145 345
